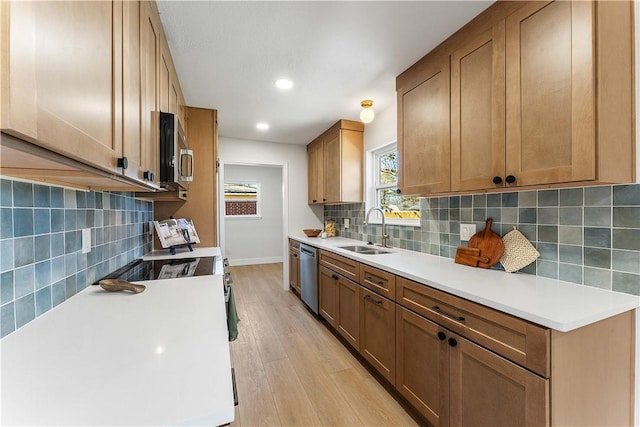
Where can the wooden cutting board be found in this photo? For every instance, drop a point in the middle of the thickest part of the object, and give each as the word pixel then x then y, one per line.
pixel 490 245
pixel 469 256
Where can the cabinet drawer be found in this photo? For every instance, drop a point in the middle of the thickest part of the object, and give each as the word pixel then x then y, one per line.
pixel 294 245
pixel 378 281
pixel 342 265
pixel 518 340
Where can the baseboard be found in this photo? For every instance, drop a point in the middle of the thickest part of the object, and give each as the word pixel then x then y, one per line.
pixel 252 261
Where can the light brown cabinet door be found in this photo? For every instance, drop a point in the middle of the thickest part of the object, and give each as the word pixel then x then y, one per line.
pixel 487 390
pixel 149 61
pixel 477 112
pixel 315 164
pixel 328 295
pixel 377 333
pixel 132 143
pixel 294 270
pixel 332 168
pixel 60 76
pixel 550 134
pixel 348 322
pixel 424 140
pixel 422 374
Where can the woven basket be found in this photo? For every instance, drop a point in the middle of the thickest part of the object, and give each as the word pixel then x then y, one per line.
pixel 518 251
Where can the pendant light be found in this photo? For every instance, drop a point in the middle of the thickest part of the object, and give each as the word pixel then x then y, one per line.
pixel 367 114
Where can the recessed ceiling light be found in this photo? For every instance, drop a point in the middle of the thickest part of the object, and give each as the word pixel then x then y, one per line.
pixel 262 126
pixel 284 84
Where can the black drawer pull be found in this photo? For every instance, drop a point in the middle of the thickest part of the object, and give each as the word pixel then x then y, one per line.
pixel 372 280
pixel 370 298
pixel 334 277
pixel 444 313
pixel 441 336
pixel 453 342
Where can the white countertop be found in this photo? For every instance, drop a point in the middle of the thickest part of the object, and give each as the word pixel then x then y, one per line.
pixel 552 303
pixel 160 357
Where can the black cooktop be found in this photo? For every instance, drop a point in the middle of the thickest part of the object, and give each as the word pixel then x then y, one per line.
pixel 140 270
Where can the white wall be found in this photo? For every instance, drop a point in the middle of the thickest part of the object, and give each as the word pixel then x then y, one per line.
pixel 256 240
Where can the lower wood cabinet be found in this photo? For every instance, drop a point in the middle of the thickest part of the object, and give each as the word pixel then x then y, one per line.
pixel 294 266
pixel 377 332
pixel 452 381
pixel 328 295
pixel 348 319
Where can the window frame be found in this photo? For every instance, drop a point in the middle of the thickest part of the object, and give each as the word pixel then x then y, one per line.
pixel 258 214
pixel 371 199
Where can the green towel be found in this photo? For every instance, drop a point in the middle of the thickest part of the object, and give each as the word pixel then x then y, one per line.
pixel 232 316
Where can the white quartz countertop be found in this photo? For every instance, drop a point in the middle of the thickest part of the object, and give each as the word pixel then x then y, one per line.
pixel 552 303
pixel 160 357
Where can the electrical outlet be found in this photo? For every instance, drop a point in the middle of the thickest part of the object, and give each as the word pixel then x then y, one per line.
pixel 346 223
pixel 466 231
pixel 86 240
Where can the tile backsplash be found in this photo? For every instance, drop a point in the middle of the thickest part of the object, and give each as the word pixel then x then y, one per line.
pixel 41 259
pixel 587 235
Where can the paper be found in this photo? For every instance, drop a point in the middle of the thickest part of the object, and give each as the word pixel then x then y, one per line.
pixel 172 232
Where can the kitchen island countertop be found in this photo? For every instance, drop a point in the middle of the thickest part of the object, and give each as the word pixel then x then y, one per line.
pixel 160 357
pixel 552 303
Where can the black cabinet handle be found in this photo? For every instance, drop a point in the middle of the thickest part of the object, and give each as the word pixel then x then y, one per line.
pixel 295 255
pixel 453 342
pixel 148 175
pixel 449 315
pixel 497 180
pixel 123 162
pixel 314 200
pixel 370 298
pixel 441 336
pixel 510 179
pixel 372 280
pixel 334 277
pixel 398 191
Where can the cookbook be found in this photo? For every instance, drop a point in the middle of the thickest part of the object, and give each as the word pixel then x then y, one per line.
pixel 176 232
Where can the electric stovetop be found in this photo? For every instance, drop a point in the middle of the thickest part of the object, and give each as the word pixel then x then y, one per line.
pixel 139 270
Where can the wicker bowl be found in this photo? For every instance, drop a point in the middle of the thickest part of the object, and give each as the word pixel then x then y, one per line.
pixel 312 232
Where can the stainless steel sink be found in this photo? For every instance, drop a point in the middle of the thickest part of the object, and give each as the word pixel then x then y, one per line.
pixel 365 250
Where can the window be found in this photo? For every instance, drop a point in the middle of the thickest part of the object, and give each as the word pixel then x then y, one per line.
pixel 241 199
pixel 398 209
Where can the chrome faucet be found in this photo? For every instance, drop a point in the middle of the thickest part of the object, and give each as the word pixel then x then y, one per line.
pixel 385 236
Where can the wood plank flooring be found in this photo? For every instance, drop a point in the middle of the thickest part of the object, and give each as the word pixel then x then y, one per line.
pixel 291 370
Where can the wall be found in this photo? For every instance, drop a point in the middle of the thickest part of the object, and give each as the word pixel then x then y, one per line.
pixel 300 214
pixel 256 240
pixel 41 261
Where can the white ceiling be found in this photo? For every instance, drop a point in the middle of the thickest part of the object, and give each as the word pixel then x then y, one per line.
pixel 229 53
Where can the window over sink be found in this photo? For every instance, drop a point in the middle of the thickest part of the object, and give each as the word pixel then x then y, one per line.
pixel 382 166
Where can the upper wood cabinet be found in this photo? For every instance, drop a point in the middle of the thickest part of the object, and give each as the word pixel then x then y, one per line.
pixel 335 164
pixel 541 94
pixel 82 79
pixel 424 130
pixel 60 77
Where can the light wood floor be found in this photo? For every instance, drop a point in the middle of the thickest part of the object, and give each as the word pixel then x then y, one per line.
pixel 290 370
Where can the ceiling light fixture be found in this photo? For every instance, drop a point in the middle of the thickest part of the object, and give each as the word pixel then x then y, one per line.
pixel 262 126
pixel 284 84
pixel 367 114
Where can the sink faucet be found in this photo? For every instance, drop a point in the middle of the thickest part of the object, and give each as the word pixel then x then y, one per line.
pixel 385 236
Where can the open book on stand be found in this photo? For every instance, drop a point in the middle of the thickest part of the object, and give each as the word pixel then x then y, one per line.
pixel 176 232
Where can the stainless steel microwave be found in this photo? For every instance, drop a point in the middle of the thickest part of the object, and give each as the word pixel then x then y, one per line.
pixel 176 159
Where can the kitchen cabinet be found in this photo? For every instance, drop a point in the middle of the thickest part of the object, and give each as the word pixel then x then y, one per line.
pixel 424 138
pixel 377 333
pixel 348 311
pixel 335 164
pixel 328 295
pixel 60 56
pixel 451 380
pixel 294 265
pixel 60 74
pixel 526 108
pixel 315 165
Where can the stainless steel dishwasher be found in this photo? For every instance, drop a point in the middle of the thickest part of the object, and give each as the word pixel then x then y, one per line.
pixel 309 276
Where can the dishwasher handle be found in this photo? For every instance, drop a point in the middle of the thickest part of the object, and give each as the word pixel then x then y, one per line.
pixel 308 252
